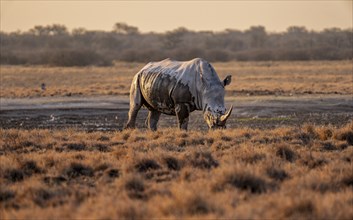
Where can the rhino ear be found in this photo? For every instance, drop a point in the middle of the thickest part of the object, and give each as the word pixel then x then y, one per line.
pixel 227 80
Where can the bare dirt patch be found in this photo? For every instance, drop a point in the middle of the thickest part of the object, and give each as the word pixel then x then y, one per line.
pixel 110 113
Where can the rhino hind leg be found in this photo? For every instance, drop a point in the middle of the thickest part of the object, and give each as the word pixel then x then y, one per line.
pixel 152 120
pixel 182 112
pixel 135 104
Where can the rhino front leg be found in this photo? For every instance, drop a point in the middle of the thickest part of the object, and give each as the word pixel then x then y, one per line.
pixel 135 104
pixel 152 119
pixel 182 112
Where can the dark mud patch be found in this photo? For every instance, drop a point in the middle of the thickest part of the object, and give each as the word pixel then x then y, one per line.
pixel 107 114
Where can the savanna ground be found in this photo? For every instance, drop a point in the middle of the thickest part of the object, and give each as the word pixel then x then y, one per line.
pixel 249 78
pixel 287 153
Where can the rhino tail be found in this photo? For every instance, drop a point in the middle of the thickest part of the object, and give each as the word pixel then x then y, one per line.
pixel 135 102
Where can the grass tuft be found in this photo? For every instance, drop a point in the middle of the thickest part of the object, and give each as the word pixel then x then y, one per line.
pixel 6 195
pixel 310 130
pixel 277 174
pixel 252 159
pixel 78 169
pixel 246 181
pixel 203 160
pixel 103 138
pixel 56 180
pixel 135 188
pixel 313 163
pixel 172 163
pixel 113 173
pixel 197 205
pixel 41 197
pixel 348 180
pixel 102 147
pixel 324 133
pixel 30 167
pixel 286 153
pixel 302 210
pixel 146 164
pixel 14 175
pixel 76 146
pixel 328 146
pixel 102 167
pixel 304 137
pixel 345 134
pixel 349 138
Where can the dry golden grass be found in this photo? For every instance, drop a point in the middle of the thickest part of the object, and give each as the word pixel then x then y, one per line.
pixel 248 78
pixel 25 81
pixel 284 173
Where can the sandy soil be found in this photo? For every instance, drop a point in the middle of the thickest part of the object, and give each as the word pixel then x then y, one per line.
pixel 110 112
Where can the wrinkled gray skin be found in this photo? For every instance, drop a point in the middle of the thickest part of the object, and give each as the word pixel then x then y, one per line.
pixel 178 88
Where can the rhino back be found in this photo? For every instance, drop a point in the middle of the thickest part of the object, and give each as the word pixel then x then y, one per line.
pixel 166 83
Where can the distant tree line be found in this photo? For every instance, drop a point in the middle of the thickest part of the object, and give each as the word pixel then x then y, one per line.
pixel 55 45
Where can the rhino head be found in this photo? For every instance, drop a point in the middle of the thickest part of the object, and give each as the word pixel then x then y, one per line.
pixel 214 111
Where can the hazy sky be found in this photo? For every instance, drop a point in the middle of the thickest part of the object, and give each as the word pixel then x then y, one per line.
pixel 160 16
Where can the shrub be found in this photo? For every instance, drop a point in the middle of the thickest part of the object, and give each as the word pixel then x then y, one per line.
pixel 217 55
pixel 11 58
pixel 45 45
pixel 187 53
pixel 70 57
pixel 136 55
pixel 256 55
pixel 293 54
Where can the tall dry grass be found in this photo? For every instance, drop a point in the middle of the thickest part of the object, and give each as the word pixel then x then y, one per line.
pixel 249 78
pixel 283 173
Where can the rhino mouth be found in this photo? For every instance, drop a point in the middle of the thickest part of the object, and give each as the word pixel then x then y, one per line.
pixel 217 121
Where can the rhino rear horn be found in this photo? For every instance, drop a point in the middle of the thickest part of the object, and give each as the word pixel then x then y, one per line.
pixel 226 115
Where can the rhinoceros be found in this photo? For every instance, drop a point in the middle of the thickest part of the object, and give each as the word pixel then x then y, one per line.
pixel 178 88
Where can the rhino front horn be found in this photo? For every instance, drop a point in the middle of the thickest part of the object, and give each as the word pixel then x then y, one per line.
pixel 226 115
